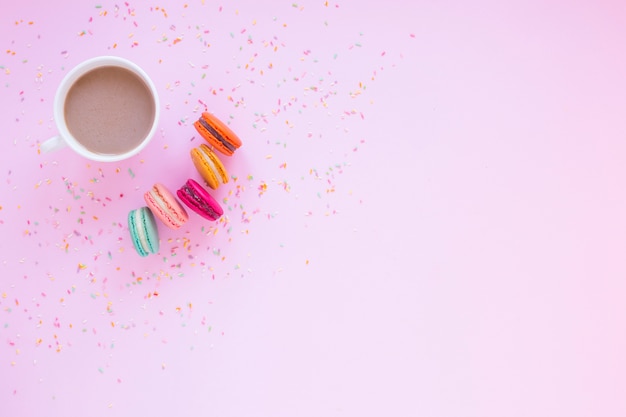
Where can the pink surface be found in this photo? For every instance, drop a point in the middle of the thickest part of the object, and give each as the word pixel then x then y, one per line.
pixel 427 216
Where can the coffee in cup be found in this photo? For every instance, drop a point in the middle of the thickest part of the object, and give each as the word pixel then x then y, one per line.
pixel 106 109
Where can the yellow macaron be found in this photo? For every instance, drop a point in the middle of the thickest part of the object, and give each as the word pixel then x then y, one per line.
pixel 209 166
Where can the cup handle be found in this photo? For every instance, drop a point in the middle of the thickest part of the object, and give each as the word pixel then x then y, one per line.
pixel 53 144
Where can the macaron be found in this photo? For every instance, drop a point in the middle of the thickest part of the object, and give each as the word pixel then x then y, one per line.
pixel 209 166
pixel 165 206
pixel 199 200
pixel 217 134
pixel 143 231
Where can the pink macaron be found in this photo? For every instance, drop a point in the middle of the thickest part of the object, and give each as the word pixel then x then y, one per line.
pixel 199 200
pixel 164 205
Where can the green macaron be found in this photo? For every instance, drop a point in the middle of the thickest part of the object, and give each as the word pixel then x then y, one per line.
pixel 143 231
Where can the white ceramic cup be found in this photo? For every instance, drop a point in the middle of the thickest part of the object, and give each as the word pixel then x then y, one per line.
pixel 65 138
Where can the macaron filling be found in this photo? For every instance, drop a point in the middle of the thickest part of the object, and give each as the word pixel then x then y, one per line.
pixel 216 134
pixel 209 161
pixel 210 158
pixel 143 235
pixel 199 202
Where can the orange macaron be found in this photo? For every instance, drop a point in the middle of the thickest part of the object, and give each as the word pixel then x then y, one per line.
pixel 217 134
pixel 209 166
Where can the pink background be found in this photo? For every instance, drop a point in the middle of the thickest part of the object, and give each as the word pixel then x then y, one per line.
pixel 427 216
